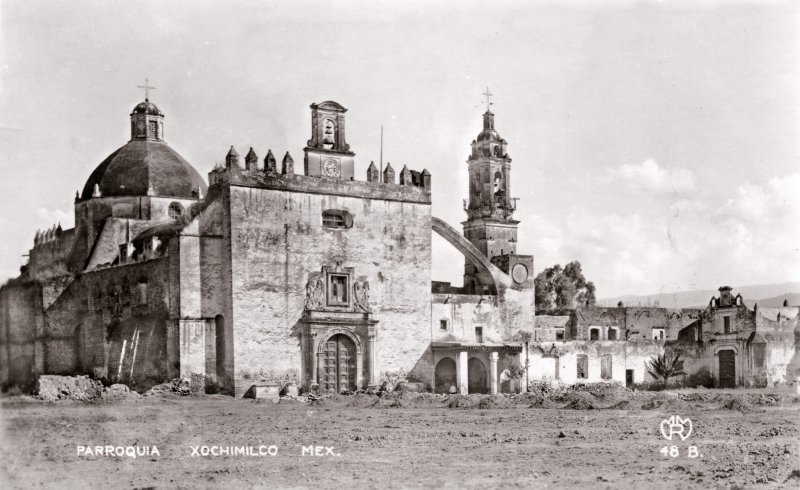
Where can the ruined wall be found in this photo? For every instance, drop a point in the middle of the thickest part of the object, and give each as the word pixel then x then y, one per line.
pixel 277 241
pixel 558 361
pixel 110 324
pixel 464 312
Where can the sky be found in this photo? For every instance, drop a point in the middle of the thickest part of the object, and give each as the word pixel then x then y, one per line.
pixel 655 142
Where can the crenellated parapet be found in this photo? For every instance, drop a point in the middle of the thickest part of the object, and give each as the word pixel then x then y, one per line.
pixel 413 185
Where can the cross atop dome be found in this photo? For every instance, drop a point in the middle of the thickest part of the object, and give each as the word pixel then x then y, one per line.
pixel 147 87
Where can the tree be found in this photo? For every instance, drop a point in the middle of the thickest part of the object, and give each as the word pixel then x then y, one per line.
pixel 665 366
pixel 563 288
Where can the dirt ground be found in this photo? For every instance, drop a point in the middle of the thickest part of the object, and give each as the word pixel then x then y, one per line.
pixel 408 440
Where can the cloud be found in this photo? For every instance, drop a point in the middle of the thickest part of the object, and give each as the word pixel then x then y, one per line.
pixel 650 177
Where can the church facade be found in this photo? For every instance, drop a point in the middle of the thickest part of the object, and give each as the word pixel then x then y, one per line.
pixel 319 276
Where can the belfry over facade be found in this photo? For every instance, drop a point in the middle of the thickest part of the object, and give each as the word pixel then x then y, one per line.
pixel 490 225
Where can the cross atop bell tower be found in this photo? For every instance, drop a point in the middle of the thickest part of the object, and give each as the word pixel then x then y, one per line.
pixel 488 96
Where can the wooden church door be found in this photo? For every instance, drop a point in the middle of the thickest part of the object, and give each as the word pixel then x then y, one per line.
pixel 340 364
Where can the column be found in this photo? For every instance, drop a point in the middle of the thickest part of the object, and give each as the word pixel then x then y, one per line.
pixel 320 362
pixel 493 372
pixel 462 373
pixel 359 370
pixel 312 357
pixel 372 355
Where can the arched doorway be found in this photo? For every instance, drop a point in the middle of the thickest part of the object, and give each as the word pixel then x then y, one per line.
pixel 727 369
pixel 445 375
pixel 476 376
pixel 338 364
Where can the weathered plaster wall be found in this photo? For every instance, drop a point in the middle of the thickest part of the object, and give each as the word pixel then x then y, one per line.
pixel 544 356
pixel 277 241
pixel 464 312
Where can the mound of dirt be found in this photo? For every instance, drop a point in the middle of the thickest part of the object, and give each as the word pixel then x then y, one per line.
pixel 536 400
pixel 580 400
pixel 626 405
pixel 463 401
pixel 118 392
pixel 81 388
pixel 494 401
pixel 363 401
pixel 177 386
pixel 740 403
pixel 665 401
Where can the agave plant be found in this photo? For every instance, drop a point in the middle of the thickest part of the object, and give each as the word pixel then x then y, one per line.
pixel 665 366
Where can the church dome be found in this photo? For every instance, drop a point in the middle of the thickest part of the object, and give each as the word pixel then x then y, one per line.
pixel 141 166
pixel 147 107
pixel 146 165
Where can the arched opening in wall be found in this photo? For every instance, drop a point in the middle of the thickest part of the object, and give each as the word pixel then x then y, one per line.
pixel 175 210
pixel 328 134
pixel 445 375
pixel 338 364
pixel 498 184
pixel 476 375
pixel 219 333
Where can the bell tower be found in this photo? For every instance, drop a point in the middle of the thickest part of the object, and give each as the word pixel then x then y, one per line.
pixel 490 225
pixel 327 153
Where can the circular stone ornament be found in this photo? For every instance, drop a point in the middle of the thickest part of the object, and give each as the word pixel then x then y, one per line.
pixel 519 273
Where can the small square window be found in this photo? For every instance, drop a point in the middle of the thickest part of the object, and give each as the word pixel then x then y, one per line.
pixel 594 334
pixel 612 334
pixel 337 289
pixel 479 334
pixel 443 325
pixel 559 335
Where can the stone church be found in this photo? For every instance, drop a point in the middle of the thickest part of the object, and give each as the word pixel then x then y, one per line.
pixel 270 273
pixel 321 277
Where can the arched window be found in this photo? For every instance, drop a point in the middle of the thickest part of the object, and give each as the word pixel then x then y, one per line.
pixel 337 219
pixel 175 210
pixel 328 134
pixel 498 183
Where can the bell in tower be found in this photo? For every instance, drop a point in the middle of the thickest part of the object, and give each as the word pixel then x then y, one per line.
pixel 327 153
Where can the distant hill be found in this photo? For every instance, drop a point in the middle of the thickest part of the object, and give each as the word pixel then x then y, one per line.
pixel 771 295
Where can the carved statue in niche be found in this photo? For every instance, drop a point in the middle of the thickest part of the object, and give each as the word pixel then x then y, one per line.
pixel 315 293
pixel 361 295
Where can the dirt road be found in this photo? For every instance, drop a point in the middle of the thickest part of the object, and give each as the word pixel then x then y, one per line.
pixel 387 445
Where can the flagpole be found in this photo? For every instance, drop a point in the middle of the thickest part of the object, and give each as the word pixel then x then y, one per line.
pixel 380 176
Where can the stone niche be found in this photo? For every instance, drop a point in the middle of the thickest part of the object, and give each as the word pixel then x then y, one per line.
pixel 338 332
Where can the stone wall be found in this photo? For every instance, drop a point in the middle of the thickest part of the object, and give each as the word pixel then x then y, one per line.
pixel 278 241
pixel 106 323
pixel 19 306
